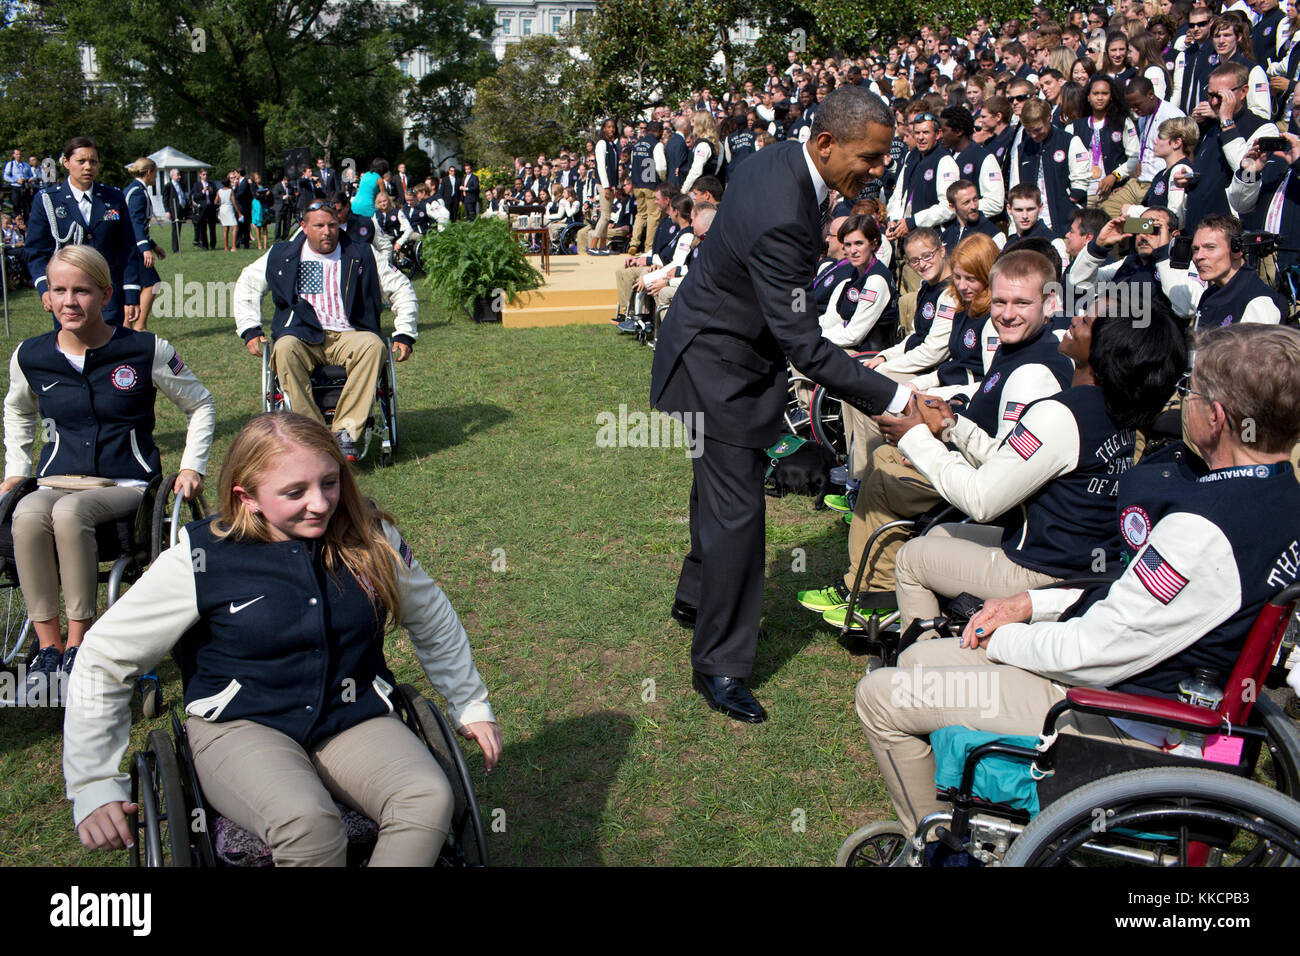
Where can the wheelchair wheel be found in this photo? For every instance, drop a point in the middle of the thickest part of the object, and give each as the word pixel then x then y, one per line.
pixel 169 517
pixel 388 410
pixel 468 841
pixel 1283 743
pixel 883 843
pixel 1162 817
pixel 156 786
pixel 17 626
pixel 151 698
pixel 827 424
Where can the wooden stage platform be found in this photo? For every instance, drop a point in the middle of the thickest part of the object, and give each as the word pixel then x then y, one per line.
pixel 579 291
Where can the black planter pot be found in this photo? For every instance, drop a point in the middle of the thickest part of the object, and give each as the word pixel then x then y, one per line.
pixel 486 309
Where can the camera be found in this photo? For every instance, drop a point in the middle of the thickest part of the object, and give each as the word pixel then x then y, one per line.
pixel 1272 144
pixel 1139 226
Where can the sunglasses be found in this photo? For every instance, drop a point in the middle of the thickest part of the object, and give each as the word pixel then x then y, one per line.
pixel 925 118
pixel 1020 97
pixel 321 204
pixel 1198 23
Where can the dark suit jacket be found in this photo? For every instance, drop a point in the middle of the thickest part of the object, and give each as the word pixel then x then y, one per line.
pixel 177 204
pixel 244 195
pixel 450 194
pixel 746 305
pixel 203 195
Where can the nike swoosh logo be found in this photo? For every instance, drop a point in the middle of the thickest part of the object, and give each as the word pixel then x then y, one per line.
pixel 46 388
pixel 236 609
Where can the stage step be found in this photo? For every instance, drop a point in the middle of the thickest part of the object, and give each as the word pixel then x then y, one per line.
pixel 536 316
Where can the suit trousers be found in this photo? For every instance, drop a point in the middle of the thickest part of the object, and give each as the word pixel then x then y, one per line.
pixel 54 537
pixel 360 352
pixel 941 684
pixel 892 491
pixel 722 574
pixel 954 559
pixel 285 794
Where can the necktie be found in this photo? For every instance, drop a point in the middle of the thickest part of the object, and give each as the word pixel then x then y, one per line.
pixel 84 205
pixel 825 208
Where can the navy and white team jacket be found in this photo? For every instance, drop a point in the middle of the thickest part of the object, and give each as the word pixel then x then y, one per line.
pixel 830 274
pixel 927 347
pixel 1052 481
pixel 863 309
pixel 266 635
pixel 1206 553
pixel 1243 298
pixel 365 280
pixel 100 422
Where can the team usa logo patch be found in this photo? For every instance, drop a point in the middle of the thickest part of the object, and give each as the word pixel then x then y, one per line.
pixel 1116 136
pixel 1160 189
pixel 1024 442
pixel 1158 576
pixel 1059 156
pixel 1011 413
pixel 992 382
pixel 968 168
pixel 929 175
pixel 928 311
pixel 854 295
pixel 968 339
pixel 1135 526
pixel 124 377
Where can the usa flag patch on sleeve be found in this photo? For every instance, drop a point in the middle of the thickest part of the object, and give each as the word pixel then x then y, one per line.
pixel 1024 442
pixel 404 550
pixel 175 363
pixel 1158 576
pixel 1012 412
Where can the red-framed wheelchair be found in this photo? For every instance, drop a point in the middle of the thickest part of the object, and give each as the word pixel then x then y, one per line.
pixel 1103 802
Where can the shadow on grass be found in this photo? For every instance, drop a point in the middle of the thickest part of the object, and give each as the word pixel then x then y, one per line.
pixel 551 792
pixel 427 430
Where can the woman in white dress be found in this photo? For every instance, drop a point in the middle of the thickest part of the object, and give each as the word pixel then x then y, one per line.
pixel 228 213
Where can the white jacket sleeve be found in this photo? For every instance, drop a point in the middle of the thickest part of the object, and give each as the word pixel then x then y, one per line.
pixel 128 641
pixel 246 300
pixel 661 161
pixel 439 639
pixel 992 188
pixel 1262 309
pixel 872 300
pixel 1080 165
pixel 1258 98
pixel 401 298
pixel 1243 191
pixel 602 146
pixel 1236 147
pixel 1182 286
pixel 945 174
pixel 1008 476
pixel 1026 384
pixel 175 380
pixel 22 414
pixel 1131 630
pixel 933 349
pixel 1131 166
pixel 698 157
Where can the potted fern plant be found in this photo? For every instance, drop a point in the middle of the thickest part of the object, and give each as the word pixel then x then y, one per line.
pixel 477 266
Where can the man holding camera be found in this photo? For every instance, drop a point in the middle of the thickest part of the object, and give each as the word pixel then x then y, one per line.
pixel 1147 263
pixel 1266 192
pixel 1228 290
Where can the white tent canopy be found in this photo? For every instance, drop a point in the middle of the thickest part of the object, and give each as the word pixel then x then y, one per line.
pixel 169 158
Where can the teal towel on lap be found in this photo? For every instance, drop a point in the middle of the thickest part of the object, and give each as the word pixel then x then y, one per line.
pixel 998 779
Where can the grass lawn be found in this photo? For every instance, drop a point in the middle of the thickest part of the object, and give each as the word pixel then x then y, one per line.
pixel 498 460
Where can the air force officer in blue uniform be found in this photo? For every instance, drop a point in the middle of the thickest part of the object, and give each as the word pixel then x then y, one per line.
pixel 720 361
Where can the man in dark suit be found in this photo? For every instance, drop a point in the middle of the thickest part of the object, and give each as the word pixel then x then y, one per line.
pixel 177 204
pixel 203 211
pixel 471 192
pixel 449 191
pixel 244 197
pixel 402 182
pixel 282 206
pixel 720 363
pixel 329 180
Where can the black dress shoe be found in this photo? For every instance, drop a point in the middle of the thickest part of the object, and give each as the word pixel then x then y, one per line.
pixel 729 695
pixel 684 614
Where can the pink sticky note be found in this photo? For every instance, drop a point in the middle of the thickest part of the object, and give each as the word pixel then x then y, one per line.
pixel 1223 749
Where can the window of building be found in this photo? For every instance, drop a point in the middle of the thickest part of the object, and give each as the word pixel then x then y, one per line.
pixel 525 26
pixel 557 22
pixel 504 23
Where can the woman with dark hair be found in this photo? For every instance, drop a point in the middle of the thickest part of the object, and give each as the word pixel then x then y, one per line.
pixel 1073 105
pixel 1082 71
pixel 363 203
pixel 289 698
pixel 1113 59
pixel 1147 57
pixel 1110 135
pixel 862 313
pixel 606 168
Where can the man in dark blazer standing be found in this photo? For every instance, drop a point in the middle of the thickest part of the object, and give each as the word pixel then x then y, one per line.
pixel 244 197
pixel 471 191
pixel 449 191
pixel 720 363
pixel 177 203
pixel 204 211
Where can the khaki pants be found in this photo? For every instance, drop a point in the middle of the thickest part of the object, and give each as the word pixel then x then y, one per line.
pixel 952 559
pixel 862 434
pixel 892 491
pixel 909 280
pixel 54 538
pixel 647 221
pixel 602 224
pixel 361 353
pixel 907 311
pixel 284 794
pixel 940 684
pixel 665 296
pixel 584 237
pixel 1131 193
pixel 624 279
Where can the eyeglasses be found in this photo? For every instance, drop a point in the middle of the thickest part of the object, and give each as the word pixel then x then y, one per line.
pixel 925 259
pixel 1184 388
pixel 1020 97
pixel 321 204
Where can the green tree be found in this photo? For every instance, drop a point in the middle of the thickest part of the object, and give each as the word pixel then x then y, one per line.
pixel 524 107
pixel 239 64
pixel 44 99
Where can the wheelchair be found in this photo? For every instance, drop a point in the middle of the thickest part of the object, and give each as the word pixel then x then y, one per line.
pixel 406 260
pixel 566 244
pixel 128 545
pixel 826 412
pixel 326 387
pixel 1103 802
pixel 175 827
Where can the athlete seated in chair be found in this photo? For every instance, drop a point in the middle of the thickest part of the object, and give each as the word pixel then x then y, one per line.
pixel 328 291
pixel 286 685
pixel 91 386
pixel 1206 551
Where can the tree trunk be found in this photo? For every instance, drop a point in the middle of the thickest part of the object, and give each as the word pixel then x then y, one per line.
pixel 252 149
